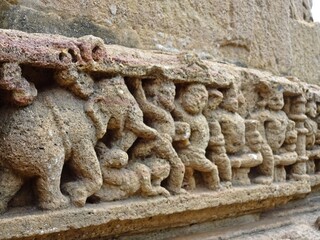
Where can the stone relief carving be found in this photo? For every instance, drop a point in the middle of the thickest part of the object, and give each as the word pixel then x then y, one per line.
pixel 190 104
pixel 41 137
pixel 297 109
pixel 90 130
pixel 312 136
pixel 216 150
pixel 156 100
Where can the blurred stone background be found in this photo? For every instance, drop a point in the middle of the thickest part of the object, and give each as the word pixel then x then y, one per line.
pixel 278 36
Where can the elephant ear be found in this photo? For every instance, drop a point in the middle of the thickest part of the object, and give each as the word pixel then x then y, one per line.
pixel 94 108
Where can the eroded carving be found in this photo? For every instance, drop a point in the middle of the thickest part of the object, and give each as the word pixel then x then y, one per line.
pixel 156 100
pixel 20 91
pixel 296 112
pixel 126 124
pixel 286 154
pixel 313 151
pixel 99 126
pixel 192 99
pixel 41 137
pixel 216 150
pixel 273 123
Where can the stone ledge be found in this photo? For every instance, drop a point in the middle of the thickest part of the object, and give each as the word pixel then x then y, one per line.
pixel 138 215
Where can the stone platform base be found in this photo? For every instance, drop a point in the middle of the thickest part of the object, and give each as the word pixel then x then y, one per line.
pixel 295 221
pixel 140 215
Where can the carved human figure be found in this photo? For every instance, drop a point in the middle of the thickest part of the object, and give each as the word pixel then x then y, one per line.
pixel 286 155
pixel 313 151
pixel 216 150
pixel 191 101
pixel 156 99
pixel 122 135
pixel 273 123
pixel 232 124
pixel 249 156
pixel 123 178
pixel 239 137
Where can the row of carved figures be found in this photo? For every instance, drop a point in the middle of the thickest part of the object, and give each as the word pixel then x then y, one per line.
pixel 149 137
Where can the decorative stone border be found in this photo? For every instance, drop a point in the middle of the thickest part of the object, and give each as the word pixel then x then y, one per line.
pixel 88 125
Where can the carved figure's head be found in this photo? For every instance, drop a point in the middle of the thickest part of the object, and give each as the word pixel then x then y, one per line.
pixel 194 98
pixel 275 100
pixel 215 98
pixel 298 105
pixel 253 136
pixel 291 133
pixel 230 100
pixel 272 96
pixel 162 92
pixel 311 108
pixel 234 134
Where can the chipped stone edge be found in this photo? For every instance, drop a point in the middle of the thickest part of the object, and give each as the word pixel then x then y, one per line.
pixel 36 222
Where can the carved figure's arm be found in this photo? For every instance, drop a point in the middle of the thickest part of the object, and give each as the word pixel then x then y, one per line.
pixel 142 149
pixel 135 123
pixel 178 112
pixel 148 109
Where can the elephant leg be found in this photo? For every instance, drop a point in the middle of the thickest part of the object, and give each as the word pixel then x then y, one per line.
pixel 85 165
pixel 10 184
pixel 48 186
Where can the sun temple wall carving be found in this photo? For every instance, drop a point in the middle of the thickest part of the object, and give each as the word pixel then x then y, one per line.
pixel 81 122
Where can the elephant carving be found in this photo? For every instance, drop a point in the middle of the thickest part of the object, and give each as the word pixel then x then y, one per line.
pixel 60 128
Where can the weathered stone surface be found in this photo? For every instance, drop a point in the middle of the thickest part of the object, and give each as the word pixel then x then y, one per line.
pixel 278 36
pixel 139 215
pixel 88 125
pixel 296 220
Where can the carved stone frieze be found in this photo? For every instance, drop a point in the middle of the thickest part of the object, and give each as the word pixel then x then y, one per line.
pixel 82 122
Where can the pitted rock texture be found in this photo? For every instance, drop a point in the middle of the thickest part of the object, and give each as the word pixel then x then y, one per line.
pixel 278 36
pixel 108 129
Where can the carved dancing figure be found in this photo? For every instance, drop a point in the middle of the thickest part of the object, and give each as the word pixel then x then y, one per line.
pixel 216 150
pixel 243 141
pixel 273 123
pixel 121 135
pixel 156 99
pixel 191 101
pixel 313 151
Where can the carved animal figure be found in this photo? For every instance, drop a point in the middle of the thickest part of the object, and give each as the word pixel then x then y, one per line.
pixel 58 127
